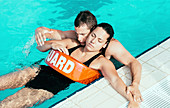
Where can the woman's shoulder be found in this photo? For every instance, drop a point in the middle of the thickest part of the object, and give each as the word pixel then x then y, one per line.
pixel 102 60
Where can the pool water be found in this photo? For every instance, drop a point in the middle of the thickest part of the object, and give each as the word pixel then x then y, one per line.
pixel 138 25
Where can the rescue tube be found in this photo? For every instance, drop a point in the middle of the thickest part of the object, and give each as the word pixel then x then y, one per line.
pixel 71 68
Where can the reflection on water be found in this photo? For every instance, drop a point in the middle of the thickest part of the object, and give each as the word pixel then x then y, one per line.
pixel 74 7
pixel 66 9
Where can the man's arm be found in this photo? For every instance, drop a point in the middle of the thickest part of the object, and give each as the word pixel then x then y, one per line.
pixel 42 33
pixel 61 45
pixel 109 72
pixel 117 50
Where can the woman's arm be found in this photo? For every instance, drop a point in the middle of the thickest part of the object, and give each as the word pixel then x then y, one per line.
pixel 117 50
pixel 109 72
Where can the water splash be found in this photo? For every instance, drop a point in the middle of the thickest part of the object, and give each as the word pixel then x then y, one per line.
pixel 27 48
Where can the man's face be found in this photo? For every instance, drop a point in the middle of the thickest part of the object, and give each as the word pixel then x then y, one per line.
pixel 82 33
pixel 97 39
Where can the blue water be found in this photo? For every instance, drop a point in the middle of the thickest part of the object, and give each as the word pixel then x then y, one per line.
pixel 138 25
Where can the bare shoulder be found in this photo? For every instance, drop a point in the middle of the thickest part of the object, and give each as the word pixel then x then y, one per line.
pixel 71 42
pixel 114 47
pixel 99 63
pixel 114 44
pixel 103 60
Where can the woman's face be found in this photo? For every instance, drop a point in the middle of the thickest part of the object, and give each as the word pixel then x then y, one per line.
pixel 97 39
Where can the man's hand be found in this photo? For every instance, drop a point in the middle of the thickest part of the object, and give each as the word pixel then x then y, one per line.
pixel 133 104
pixel 134 90
pixel 60 48
pixel 40 36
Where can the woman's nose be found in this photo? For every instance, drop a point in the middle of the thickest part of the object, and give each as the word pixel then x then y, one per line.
pixel 93 40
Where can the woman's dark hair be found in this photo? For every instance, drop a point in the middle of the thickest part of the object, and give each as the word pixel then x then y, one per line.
pixel 109 30
pixel 85 17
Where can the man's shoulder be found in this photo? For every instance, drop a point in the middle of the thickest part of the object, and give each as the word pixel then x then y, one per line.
pixel 71 42
pixel 115 43
pixel 114 46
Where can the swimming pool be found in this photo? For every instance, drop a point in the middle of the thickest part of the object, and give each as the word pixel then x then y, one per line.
pixel 138 25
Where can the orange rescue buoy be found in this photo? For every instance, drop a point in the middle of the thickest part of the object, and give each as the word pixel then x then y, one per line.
pixel 71 68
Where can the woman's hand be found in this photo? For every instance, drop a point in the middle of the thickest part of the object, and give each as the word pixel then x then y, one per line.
pixel 60 48
pixel 133 104
pixel 134 90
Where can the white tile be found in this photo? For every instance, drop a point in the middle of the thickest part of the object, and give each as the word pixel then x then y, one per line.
pixel 93 100
pixel 126 72
pixel 166 44
pixel 168 49
pixel 165 67
pixel 153 52
pixel 76 106
pixel 152 78
pixel 120 72
pixel 126 69
pixel 66 104
pixel 147 69
pixel 129 76
pixel 142 89
pixel 142 106
pixel 160 59
pixel 140 61
pixel 85 94
pixel 120 98
pixel 101 83
pixel 110 103
pixel 60 104
pixel 126 80
pixel 109 90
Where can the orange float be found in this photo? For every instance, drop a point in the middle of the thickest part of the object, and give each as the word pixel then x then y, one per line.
pixel 71 68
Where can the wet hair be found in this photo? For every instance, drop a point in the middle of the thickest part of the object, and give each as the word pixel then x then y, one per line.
pixel 109 30
pixel 85 17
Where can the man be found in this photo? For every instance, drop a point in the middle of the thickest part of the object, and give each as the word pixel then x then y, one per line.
pixel 84 22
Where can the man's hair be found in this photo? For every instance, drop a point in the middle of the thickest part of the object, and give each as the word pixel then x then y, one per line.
pixel 85 17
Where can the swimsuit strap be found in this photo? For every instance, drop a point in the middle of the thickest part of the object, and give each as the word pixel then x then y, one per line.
pixel 88 62
pixel 73 49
